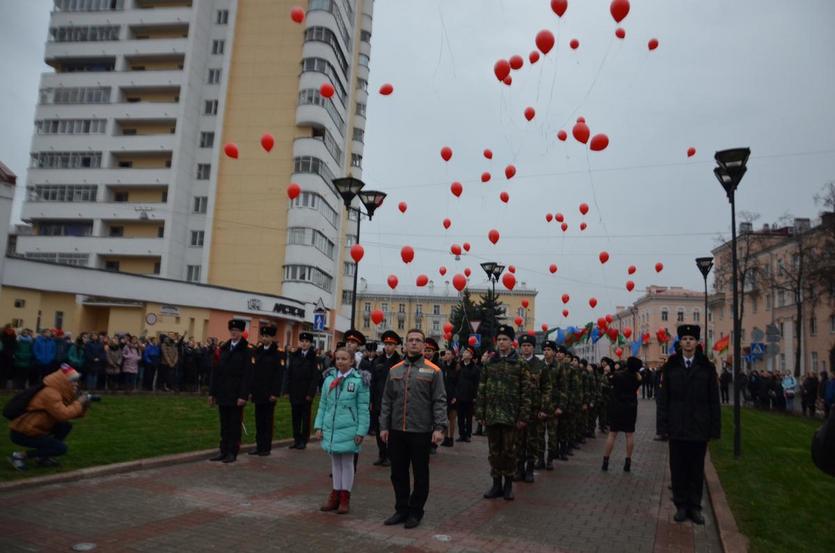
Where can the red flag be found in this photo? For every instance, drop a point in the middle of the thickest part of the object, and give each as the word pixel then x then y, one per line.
pixel 722 344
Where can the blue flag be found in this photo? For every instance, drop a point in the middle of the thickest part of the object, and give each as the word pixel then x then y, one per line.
pixel 595 335
pixel 560 337
pixel 636 348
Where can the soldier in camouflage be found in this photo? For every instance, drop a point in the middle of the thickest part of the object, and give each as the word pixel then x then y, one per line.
pixel 556 416
pixel 590 396
pixel 531 440
pixel 504 406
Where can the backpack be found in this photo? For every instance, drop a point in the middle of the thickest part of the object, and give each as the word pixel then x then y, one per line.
pixel 18 404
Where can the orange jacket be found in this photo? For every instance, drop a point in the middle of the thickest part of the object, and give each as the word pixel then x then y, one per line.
pixel 56 402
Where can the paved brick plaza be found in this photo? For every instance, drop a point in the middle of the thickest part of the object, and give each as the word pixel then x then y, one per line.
pixel 260 504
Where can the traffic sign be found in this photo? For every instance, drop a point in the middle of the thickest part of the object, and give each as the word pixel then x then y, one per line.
pixel 758 348
pixel 772 350
pixel 318 322
pixel 772 333
pixel 757 334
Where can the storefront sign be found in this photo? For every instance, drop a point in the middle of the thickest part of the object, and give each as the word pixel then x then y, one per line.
pixel 285 309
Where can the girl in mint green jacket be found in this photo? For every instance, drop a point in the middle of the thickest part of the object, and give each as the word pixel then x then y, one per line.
pixel 341 424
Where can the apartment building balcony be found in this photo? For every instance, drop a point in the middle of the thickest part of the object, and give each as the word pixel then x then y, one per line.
pixel 155 47
pixel 167 16
pixel 136 110
pixel 102 245
pixel 316 116
pixel 104 142
pixel 329 152
pixel 134 176
pixel 115 79
pixel 108 211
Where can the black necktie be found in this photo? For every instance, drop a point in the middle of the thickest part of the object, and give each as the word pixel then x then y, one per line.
pixel 687 363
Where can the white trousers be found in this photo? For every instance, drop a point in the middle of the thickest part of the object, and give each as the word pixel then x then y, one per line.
pixel 342 468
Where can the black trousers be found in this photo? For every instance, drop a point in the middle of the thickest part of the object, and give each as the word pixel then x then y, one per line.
pixel 382 449
pixel 301 421
pixel 410 449
pixel 687 472
pixel 231 417
pixel 264 425
pixel 465 419
pixel 725 394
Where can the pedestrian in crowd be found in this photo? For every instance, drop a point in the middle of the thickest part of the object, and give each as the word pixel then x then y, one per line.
pixel 341 425
pixel 113 353
pixel 230 386
pixel 828 397
pixel 412 418
pixel 131 355
pixel 451 371
pixel 267 378
pixel 743 387
pixel 368 357
pixel 530 442
pixel 189 360
pixel 300 382
pixel 691 417
pixel 169 360
pixel 23 359
pixel 557 422
pixel 809 393
pixel 44 351
pixel 466 393
pixel 504 407
pixel 45 424
pixel 789 390
pixel 823 446
pixel 659 385
pixel 95 361
pixel 754 388
pixel 623 410
pixel 725 380
pixel 354 340
pixel 8 346
pixel 822 386
pixel 379 374
pixel 75 354
pixel 151 358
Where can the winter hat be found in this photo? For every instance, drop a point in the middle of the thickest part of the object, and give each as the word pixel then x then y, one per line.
pixel 71 374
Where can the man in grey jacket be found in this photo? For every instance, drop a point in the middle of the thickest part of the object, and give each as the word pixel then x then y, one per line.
pixel 413 416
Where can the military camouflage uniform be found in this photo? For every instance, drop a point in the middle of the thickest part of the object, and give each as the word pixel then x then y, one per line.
pixel 557 425
pixel 530 441
pixel 504 399
pixel 575 402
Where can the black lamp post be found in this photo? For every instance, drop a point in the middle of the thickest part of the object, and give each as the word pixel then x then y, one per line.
pixel 705 264
pixel 729 172
pixel 349 188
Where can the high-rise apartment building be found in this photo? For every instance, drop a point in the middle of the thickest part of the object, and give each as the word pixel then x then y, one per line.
pixel 128 171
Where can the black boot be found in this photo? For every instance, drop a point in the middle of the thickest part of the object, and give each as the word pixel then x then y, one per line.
pixel 529 472
pixel 563 452
pixel 496 490
pixel 507 492
pixel 519 475
pixel 627 465
pixel 605 466
pixel 219 457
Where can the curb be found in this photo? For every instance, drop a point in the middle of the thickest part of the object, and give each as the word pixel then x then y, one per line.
pixel 118 468
pixel 732 540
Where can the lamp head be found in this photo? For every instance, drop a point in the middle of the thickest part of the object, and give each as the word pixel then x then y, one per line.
pixel 348 187
pixel 705 264
pixel 372 199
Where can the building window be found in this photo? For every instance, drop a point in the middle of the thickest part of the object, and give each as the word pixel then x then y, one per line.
pixel 359 135
pixel 313 200
pixel 75 95
pixel 367 307
pixel 362 84
pixel 323 34
pixel 781 298
pixel 320 65
pixel 356 161
pixel 307 273
pixel 781 327
pixel 782 361
pixel 754 305
pixel 813 326
pixel 111 266
pixel 214 76
pixel 313 165
pixel 696 315
pixel 204 171
pixel 93 33
pixel 210 107
pixel 436 309
pixel 207 139
pixel 193 273
pixel 350 269
pixel 768 301
pixel 384 307
pixel 70 126
pixel 66 160
pixel 301 236
pixel 64 229
pixel 365 36
pixel 401 324
pixel 63 193
pixel 347 297
pixel 366 322
pixel 364 60
pixel 664 315
pixel 330 144
pixel 401 308
pixel 157 267
pixel 217 48
pixel 161 231
pixel 18 303
pixel 76 259
pixel 680 315
pixel 312 96
pixel 350 240
pixel 117 231
pixel 197 238
pixel 436 327
pixel 59 319
pixel 815 361
pixel 222 17
pixel 200 204
pixel 88 5
pixel 419 309
pixel 360 109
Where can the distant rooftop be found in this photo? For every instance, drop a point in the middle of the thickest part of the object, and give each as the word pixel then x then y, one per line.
pixel 6 175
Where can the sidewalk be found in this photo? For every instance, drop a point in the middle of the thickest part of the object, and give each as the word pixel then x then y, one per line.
pixel 271 503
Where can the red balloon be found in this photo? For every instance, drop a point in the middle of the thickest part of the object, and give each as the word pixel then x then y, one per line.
pixel 564 227
pixel 326 90
pixel 581 132
pixel 509 281
pixel 691 151
pixel 552 268
pixel 501 69
pixel 566 298
pixel 562 135
pixel 505 197
pixel 559 217
pixel 604 257
pixel 392 281
pixel 592 302
pixel 447 223
pixel 472 341
pixel 267 141
pixel 631 269
pixel 442 270
pixel 620 32
pixel 659 267
pixel 447 327
pixel 357 252
pixel 402 207
pixel 544 327
pixel 377 316
pixel 559 6
pixel 613 333
pixel 525 303
pixel 297 14
pixel 609 318
pixel 619 9
pixel 493 235
pixel 574 43
pixel 627 332
pixel 530 113
pixel 549 217
pixel 533 57
pixel 545 41
pixel 630 285
pixel 293 191
pixel 619 351
pixel 455 249
pixel 386 89
pixel 581 119
pixel 485 177
pixel 488 153
pixel 518 320
pixel 602 324
pixel 584 208
pixel 652 44
pixel 456 189
pixel 446 153
pixel 565 313
pixel 583 226
pixel 231 150
pixel 510 171
pixel 508 80
pixel 421 280
pixel 468 272
pixel 516 62
pixel 407 254
pixel 459 281
pixel 599 142
pixel 466 246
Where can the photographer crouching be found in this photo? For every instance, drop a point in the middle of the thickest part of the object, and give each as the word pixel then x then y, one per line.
pixel 41 417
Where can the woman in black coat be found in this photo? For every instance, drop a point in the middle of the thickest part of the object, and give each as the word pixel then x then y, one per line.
pixel 623 410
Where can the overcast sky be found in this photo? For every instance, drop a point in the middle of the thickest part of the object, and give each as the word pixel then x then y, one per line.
pixel 755 73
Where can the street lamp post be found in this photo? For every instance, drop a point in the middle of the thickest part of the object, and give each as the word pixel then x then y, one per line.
pixel 493 271
pixel 705 264
pixel 349 188
pixel 729 172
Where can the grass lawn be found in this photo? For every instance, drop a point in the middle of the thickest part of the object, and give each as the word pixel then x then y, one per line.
pixel 123 428
pixel 780 500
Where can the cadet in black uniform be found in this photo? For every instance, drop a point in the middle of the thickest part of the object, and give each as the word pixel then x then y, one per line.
pixel 268 374
pixel 301 379
pixel 379 374
pixel 230 388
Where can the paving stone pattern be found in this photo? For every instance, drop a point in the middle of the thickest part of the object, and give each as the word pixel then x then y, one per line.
pixel 271 504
